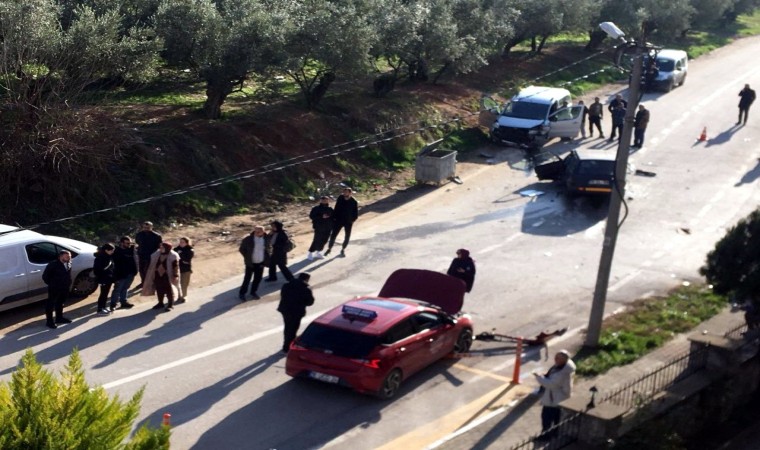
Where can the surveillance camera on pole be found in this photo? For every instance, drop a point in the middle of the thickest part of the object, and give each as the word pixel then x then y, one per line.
pixel 612 31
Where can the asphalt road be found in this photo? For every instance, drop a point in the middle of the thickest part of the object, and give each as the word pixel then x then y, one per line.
pixel 214 363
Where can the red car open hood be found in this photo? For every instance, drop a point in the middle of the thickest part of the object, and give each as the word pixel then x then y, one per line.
pixel 428 286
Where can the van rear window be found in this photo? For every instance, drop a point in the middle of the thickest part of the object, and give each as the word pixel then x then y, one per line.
pixel 344 343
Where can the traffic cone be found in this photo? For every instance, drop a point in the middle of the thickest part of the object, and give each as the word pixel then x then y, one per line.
pixel 703 136
pixel 167 420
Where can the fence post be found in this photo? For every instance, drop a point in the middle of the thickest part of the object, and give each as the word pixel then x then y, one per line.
pixel 518 360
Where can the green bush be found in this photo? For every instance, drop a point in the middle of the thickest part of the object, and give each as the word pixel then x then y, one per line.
pixel 41 411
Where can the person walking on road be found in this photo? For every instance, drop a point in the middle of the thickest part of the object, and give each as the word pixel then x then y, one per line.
pixel 463 267
pixel 345 214
pixel 640 123
pixel 162 277
pixel 103 268
pixel 186 253
pixel 556 386
pixel 595 113
pixel 747 98
pixel 617 101
pixel 125 268
pixel 278 255
pixel 321 220
pixel 618 120
pixel 148 242
pixel 57 276
pixel 295 296
pixel 256 257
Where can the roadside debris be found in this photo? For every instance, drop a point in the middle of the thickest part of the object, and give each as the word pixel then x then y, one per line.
pixel 540 339
pixel 645 173
pixel 531 193
pixel 457 180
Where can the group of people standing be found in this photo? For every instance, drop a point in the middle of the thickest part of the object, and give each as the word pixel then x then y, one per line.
pixel 617 109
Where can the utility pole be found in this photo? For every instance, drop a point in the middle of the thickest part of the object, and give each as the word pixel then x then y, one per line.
pixel 616 197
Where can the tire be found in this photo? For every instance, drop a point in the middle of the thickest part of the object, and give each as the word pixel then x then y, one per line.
pixel 464 341
pixel 670 86
pixel 683 80
pixel 84 284
pixel 391 384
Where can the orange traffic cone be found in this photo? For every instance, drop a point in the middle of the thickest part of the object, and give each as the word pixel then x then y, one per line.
pixel 167 420
pixel 703 136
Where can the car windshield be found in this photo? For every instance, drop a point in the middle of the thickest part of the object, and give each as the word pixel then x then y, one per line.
pixel 347 344
pixel 526 110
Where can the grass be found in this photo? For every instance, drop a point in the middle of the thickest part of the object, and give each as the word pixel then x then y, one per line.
pixel 647 325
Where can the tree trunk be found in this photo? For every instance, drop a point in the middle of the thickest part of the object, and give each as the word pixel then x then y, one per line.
pixel 541 43
pixel 440 72
pixel 533 44
pixel 315 96
pixel 216 94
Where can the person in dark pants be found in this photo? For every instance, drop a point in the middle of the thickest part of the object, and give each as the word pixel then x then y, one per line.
pixel 57 276
pixel 463 267
pixel 321 220
pixel 617 101
pixel 126 267
pixel 103 268
pixel 618 120
pixel 345 214
pixel 295 296
pixel 186 253
pixel 255 256
pixel 747 98
pixel 640 123
pixel 148 242
pixel 162 277
pixel 595 113
pixel 556 387
pixel 278 255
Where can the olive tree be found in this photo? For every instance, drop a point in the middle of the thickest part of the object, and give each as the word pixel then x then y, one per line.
pixel 222 40
pixel 733 266
pixel 39 410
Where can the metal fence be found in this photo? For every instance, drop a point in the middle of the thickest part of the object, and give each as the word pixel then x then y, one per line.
pixel 736 332
pixel 560 435
pixel 640 391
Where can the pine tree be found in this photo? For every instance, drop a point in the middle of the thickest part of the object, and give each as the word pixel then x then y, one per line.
pixel 41 411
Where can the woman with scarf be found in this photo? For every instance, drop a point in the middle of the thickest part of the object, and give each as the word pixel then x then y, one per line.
pixel 463 267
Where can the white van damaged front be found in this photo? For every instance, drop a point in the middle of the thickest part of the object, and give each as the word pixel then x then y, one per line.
pixel 519 132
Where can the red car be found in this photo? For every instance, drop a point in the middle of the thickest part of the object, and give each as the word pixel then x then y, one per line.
pixel 372 344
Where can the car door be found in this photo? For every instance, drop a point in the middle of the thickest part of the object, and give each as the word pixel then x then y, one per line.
pixel 490 110
pixel 38 255
pixel 548 166
pixel 13 276
pixel 406 345
pixel 432 328
pixel 566 123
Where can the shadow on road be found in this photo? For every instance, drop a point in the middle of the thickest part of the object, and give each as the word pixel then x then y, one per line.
pixel 556 214
pixel 752 175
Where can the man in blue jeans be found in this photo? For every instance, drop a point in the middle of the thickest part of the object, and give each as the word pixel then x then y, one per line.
pixel 126 265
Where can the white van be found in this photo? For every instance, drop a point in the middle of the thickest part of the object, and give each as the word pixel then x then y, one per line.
pixel 532 117
pixel 24 254
pixel 672 67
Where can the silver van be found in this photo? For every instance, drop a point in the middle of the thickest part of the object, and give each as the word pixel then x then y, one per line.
pixel 672 67
pixel 24 254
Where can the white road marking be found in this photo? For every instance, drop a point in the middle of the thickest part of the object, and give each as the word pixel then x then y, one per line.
pixel 204 354
pixel 501 244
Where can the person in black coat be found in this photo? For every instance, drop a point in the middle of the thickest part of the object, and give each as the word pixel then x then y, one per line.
pixel 186 253
pixel 126 265
pixel 255 251
pixel 295 296
pixel 463 267
pixel 345 214
pixel 57 276
pixel 278 255
pixel 321 220
pixel 617 125
pixel 103 268
pixel 148 242
pixel 747 98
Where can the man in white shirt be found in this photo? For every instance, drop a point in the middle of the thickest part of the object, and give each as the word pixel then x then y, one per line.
pixel 254 251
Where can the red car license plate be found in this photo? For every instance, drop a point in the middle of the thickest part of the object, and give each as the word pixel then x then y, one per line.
pixel 324 377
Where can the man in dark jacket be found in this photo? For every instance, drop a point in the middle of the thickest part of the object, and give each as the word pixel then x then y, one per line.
pixel 295 296
pixel 57 276
pixel 103 270
pixel 618 120
pixel 640 123
pixel 321 220
pixel 255 256
pixel 345 214
pixel 148 242
pixel 747 98
pixel 617 125
pixel 125 268
pixel 279 245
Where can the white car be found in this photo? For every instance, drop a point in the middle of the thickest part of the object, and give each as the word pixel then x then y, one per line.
pixel 24 254
pixel 532 117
